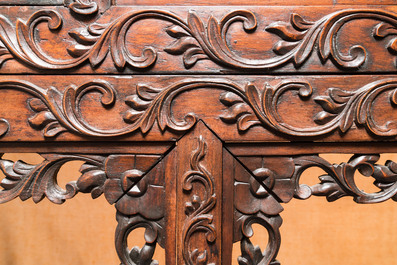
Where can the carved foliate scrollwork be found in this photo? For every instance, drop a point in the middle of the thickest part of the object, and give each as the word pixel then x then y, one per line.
pixel 195 39
pixel 38 181
pixel 339 178
pixel 57 112
pixel 248 106
pixel 153 234
pixel 26 181
pixel 198 210
pixel 254 204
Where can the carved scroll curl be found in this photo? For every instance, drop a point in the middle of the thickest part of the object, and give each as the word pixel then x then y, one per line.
pixel 339 178
pixel 137 256
pixel 38 181
pixel 195 39
pixel 57 112
pixel 248 106
pixel 199 218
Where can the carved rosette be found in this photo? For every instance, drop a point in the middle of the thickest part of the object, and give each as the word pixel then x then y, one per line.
pixel 255 204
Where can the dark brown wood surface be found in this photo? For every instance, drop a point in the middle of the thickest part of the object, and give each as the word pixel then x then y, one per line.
pixel 198 122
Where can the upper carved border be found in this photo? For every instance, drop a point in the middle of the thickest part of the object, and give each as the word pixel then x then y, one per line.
pixel 195 39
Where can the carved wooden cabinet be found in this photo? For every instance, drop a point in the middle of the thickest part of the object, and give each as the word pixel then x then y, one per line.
pixel 198 121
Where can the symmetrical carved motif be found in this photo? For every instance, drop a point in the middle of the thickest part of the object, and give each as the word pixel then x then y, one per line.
pixel 198 210
pixel 255 205
pixel 339 179
pixel 195 39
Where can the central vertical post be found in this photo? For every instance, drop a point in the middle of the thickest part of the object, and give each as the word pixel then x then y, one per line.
pixel 197 210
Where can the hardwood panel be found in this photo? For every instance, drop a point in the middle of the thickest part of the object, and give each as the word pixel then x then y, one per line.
pixel 162 108
pixel 273 41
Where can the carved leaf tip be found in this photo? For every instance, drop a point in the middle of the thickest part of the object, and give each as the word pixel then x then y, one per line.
pixel 185 44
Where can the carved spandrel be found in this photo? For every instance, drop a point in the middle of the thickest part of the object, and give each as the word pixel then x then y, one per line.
pixel 98 176
pixel 255 203
pixel 337 181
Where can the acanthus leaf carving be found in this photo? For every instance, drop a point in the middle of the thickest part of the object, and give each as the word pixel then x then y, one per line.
pixel 198 210
pixel 38 181
pixel 250 106
pixel 339 178
pixel 195 39
pixel 58 112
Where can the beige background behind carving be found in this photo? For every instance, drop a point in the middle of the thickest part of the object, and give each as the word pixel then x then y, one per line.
pixel 81 231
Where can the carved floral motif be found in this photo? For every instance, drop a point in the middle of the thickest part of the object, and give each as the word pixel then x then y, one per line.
pixel 195 39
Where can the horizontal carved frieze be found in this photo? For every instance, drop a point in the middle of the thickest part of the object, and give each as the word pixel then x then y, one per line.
pixel 258 39
pixel 263 107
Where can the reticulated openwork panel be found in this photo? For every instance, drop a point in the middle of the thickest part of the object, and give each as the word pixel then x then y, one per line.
pixel 197 123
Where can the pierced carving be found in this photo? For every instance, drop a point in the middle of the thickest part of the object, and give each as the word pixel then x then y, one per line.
pixel 198 210
pixel 58 112
pixel 153 234
pixel 38 181
pixel 254 204
pixel 339 178
pixel 142 204
pixel 99 175
pixel 195 39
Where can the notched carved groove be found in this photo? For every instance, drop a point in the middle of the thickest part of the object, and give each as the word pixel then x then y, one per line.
pixel 258 206
pixel 339 178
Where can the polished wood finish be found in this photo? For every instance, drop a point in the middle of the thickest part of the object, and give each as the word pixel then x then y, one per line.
pixel 194 122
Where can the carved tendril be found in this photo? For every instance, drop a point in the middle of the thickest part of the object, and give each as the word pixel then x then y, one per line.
pixel 195 39
pixel 136 255
pixel 38 181
pixel 197 211
pixel 339 178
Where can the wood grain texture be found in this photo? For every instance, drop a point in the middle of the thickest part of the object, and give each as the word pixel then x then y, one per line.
pixel 156 101
pixel 332 39
pixel 162 108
